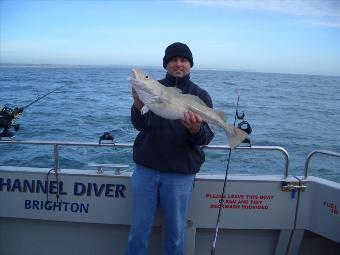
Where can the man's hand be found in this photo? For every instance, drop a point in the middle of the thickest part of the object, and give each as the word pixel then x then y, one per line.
pixel 136 101
pixel 192 121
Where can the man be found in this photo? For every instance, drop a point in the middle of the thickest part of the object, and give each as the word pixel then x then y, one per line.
pixel 167 154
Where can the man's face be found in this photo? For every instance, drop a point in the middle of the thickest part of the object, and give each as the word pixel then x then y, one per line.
pixel 178 67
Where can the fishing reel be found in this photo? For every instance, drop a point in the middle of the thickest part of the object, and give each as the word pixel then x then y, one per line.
pixel 8 119
pixel 107 136
pixel 244 126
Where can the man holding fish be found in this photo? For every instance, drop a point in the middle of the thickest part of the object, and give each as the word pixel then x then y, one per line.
pixel 172 118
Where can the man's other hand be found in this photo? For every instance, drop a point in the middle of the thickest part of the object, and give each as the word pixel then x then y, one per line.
pixel 192 121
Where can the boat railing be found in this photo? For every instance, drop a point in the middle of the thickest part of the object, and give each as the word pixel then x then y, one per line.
pixel 56 145
pixel 323 152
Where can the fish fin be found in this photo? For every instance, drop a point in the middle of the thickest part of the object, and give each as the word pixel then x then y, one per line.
pixel 223 115
pixel 173 89
pixel 165 100
pixel 164 97
pixel 194 98
pixel 146 97
pixel 235 135
pixel 145 109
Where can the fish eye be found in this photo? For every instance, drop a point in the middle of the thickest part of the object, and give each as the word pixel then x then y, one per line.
pixel 147 77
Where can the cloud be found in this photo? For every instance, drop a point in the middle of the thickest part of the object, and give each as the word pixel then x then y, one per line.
pixel 334 24
pixel 294 7
pixel 321 9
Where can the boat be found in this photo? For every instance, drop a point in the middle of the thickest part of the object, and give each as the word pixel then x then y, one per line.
pixel 87 211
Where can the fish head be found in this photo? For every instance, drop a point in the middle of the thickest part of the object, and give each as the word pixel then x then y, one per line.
pixel 142 81
pixel 139 75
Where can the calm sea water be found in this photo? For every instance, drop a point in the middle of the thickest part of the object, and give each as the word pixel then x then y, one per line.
pixel 297 112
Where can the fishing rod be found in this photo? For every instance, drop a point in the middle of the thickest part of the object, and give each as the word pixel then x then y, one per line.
pixel 9 116
pixel 41 97
pixel 245 126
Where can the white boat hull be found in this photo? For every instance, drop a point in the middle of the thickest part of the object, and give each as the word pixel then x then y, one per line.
pixel 92 214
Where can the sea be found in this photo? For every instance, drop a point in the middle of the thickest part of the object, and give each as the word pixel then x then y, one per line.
pixel 297 112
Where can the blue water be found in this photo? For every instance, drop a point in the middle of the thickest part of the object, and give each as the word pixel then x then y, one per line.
pixel 297 112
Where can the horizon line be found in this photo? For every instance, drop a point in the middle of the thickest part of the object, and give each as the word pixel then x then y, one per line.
pixel 49 65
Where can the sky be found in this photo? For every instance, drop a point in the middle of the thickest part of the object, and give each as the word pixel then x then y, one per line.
pixel 276 36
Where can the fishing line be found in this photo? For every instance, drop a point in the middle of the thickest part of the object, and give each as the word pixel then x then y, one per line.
pixel 224 186
pixel 41 97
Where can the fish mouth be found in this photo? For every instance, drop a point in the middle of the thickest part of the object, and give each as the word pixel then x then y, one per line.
pixel 134 74
pixel 135 78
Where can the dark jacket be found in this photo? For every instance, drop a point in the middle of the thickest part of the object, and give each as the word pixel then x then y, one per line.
pixel 166 145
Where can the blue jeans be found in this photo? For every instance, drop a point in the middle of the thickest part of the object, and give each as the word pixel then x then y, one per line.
pixel 172 191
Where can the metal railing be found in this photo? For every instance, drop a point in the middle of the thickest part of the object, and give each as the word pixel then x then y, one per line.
pixel 56 145
pixel 324 152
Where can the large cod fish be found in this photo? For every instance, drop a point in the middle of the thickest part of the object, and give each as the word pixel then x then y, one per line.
pixel 170 103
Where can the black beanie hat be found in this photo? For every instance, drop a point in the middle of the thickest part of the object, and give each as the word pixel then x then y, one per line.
pixel 177 49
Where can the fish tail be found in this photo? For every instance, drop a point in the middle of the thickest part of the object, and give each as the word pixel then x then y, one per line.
pixel 235 135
